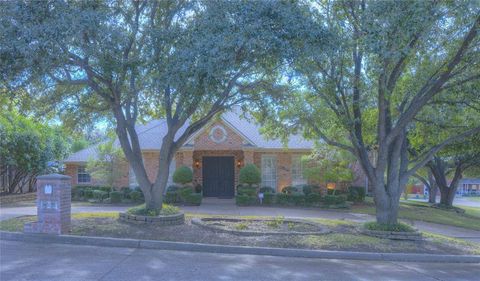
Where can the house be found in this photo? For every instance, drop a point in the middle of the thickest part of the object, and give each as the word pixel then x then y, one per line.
pixel 469 186
pixel 216 153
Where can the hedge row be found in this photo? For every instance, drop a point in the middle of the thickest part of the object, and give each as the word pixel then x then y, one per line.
pixel 282 199
pixel 183 195
pixel 105 193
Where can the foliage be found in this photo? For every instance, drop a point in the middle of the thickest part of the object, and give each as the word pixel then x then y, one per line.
pixel 105 166
pixel 247 191
pixel 250 174
pixel 136 196
pixel 266 189
pixel 166 210
pixel 183 175
pixel 116 197
pixel 356 193
pixel 276 222
pixel 313 198
pixel 399 227
pixel 329 164
pixel 27 149
pixel 245 200
pixel 335 199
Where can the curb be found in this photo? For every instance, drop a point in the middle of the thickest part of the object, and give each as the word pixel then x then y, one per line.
pixel 225 249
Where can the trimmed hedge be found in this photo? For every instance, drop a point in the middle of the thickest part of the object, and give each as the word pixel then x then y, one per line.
pixel 183 195
pixel 136 196
pixel 245 200
pixel 183 175
pixel 335 199
pixel 247 191
pixel 250 174
pixel 283 199
pixel 356 193
pixel 116 197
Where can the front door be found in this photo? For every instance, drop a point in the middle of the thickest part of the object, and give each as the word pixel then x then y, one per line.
pixel 218 176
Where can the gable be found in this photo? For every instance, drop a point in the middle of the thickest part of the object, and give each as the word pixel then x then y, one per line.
pixel 218 136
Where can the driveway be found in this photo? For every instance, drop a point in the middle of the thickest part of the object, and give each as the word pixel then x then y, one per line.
pixel 22 261
pixel 213 206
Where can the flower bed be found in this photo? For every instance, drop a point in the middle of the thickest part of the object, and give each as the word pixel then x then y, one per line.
pixel 176 219
pixel 256 227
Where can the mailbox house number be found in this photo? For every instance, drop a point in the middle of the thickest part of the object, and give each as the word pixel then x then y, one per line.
pixel 48 189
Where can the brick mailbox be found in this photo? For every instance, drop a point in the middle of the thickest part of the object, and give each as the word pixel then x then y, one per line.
pixel 54 198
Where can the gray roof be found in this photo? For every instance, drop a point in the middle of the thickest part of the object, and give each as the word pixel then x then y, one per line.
pixel 469 181
pixel 151 134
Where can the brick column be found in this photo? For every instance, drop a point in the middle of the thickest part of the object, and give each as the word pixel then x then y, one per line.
pixel 188 158
pixel 248 157
pixel 53 205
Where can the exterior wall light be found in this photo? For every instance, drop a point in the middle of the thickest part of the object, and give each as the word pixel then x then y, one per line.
pixel 197 164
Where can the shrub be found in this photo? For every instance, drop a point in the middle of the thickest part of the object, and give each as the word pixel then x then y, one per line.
pixel 247 191
pixel 136 196
pixel 100 195
pixel 282 199
pixel 250 174
pixel 172 197
pixel 141 210
pixel 307 189
pixel 245 200
pixel 398 227
pixel 297 199
pixel 194 199
pixel 78 192
pixel 183 175
pixel 104 188
pixel 356 193
pixel 126 192
pixel 335 199
pixel 173 188
pixel 185 192
pixel 313 198
pixel 269 198
pixel 115 197
pixel 266 189
pixel 88 193
pixel 198 188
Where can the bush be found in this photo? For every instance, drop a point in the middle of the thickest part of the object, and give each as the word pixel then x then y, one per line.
pixel 185 192
pixel 307 189
pixel 250 174
pixel 266 189
pixel 172 197
pixel 356 193
pixel 100 195
pixel 107 189
pixel 313 198
pixel 269 198
pixel 78 192
pixel 335 199
pixel 88 193
pixel 296 199
pixel 194 199
pixel 282 199
pixel 398 227
pixel 198 188
pixel 115 197
pixel 141 210
pixel 247 191
pixel 288 190
pixel 245 200
pixel 136 196
pixel 126 192
pixel 183 175
pixel 173 188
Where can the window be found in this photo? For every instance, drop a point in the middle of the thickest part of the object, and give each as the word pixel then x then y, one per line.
pixel 269 171
pixel 297 170
pixel 82 175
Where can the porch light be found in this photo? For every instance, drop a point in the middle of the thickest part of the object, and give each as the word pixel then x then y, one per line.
pixel 239 163
pixel 197 164
pixel 331 185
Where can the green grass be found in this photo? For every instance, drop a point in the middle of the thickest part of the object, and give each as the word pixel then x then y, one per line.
pixel 421 211
pixel 399 227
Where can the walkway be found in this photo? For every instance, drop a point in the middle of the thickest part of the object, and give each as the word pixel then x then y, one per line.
pixel 213 206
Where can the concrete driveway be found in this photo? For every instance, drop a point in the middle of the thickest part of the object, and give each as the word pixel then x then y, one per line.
pixel 22 261
pixel 227 207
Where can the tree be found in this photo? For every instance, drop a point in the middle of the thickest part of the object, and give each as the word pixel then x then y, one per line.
pixel 27 149
pixel 386 62
pixel 328 164
pixel 426 177
pixel 105 166
pixel 184 61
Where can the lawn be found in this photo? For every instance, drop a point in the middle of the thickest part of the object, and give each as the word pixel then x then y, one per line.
pixel 421 211
pixel 344 235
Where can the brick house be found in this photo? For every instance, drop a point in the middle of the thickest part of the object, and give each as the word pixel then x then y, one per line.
pixel 215 153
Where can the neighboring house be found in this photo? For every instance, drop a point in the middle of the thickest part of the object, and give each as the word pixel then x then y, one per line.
pixel 469 186
pixel 215 153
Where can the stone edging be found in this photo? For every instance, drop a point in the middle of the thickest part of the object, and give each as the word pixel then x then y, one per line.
pixel 200 222
pixel 393 235
pixel 159 220
pixel 209 248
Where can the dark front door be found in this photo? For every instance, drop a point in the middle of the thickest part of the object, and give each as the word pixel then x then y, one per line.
pixel 218 176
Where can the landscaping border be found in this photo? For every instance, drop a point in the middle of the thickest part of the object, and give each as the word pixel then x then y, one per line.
pixel 200 222
pixel 211 248
pixel 176 219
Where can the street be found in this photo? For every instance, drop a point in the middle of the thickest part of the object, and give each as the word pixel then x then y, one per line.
pixel 29 261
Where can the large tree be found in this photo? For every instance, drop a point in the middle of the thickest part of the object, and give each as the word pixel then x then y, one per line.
pixel 387 60
pixel 184 61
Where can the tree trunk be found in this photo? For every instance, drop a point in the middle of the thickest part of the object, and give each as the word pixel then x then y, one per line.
pixel 432 189
pixel 447 195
